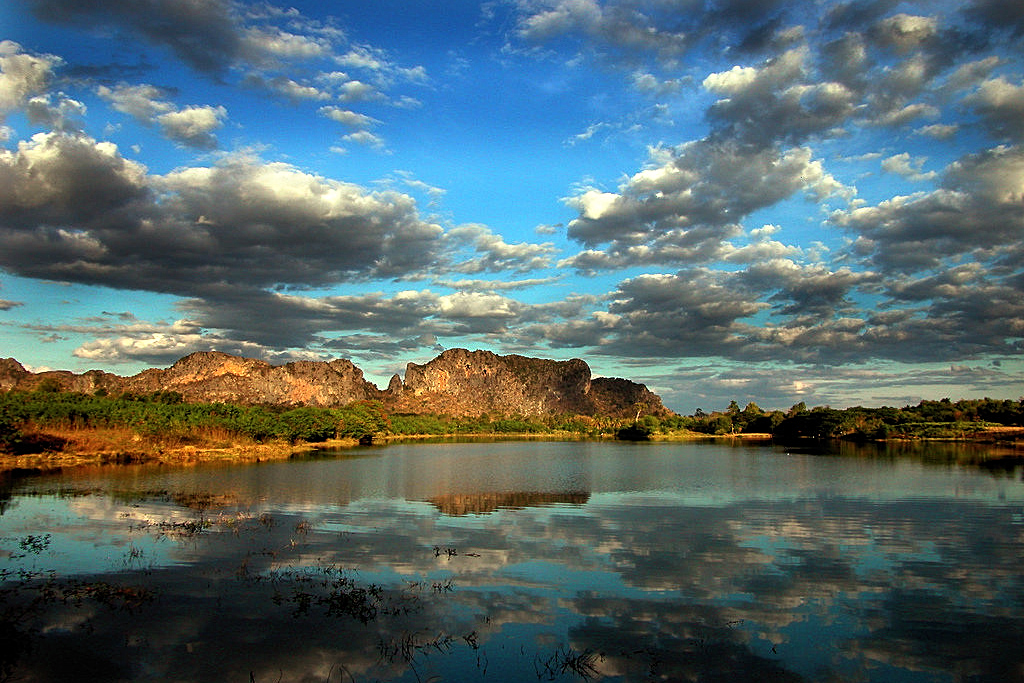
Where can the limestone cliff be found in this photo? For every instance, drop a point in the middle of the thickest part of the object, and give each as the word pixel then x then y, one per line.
pixel 13 375
pixel 214 376
pixel 458 382
pixel 461 382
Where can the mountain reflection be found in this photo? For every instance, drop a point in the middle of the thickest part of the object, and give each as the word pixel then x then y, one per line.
pixel 737 566
pixel 459 504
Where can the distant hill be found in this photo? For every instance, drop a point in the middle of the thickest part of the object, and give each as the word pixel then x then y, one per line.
pixel 457 382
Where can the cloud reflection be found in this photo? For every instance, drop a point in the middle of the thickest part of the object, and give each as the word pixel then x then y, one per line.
pixel 797 569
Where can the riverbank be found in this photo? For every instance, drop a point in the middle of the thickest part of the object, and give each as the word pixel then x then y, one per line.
pixel 68 448
pixel 65 448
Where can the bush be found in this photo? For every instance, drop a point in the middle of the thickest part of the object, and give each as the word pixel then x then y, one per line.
pixel 10 435
pixel 308 424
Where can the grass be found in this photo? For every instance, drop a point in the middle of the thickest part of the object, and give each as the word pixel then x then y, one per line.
pixel 69 446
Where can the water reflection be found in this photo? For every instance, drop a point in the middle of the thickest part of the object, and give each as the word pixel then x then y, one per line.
pixel 522 561
pixel 482 503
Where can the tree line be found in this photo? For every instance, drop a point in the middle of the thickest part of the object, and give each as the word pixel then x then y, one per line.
pixel 928 419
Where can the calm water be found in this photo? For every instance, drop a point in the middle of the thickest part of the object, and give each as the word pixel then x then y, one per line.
pixel 519 561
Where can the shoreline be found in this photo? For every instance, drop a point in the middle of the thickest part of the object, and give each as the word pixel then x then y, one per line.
pixel 140 452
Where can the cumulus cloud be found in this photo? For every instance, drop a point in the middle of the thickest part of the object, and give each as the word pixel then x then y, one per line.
pixel 74 209
pixel 151 343
pixel 493 253
pixel 280 320
pixel 805 290
pixel 783 311
pixel 1000 104
pixel 282 52
pixel 496 285
pixel 902 164
pixel 689 200
pixel 997 16
pixel 223 236
pixel 631 33
pixel 366 138
pixel 691 313
pixel 977 207
pixel 776 100
pixel 192 126
pixel 288 88
pixel 606 26
pixel 870 67
pixel 904 32
pixel 347 117
pixel 205 35
pixel 377 62
pixel 23 76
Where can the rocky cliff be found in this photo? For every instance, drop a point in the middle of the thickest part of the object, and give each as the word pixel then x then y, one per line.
pixel 213 376
pixel 461 382
pixel 458 382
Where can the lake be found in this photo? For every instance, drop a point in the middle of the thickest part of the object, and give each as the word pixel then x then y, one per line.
pixel 520 561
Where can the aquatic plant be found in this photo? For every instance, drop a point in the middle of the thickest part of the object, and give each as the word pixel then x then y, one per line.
pixel 566 660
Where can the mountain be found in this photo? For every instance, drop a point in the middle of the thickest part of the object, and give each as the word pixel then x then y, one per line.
pixel 457 382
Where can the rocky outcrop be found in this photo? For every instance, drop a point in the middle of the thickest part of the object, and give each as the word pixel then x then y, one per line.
pixel 220 377
pixel 13 375
pixel 461 382
pixel 458 382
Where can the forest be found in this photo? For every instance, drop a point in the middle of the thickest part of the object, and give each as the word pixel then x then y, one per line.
pixel 928 419
pixel 32 421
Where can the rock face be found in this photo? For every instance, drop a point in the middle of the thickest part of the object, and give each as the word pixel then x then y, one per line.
pixel 461 382
pixel 458 382
pixel 220 377
pixel 13 375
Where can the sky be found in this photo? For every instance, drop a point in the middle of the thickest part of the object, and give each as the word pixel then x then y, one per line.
pixel 742 200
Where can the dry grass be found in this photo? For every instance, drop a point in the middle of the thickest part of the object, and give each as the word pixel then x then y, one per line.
pixel 71 446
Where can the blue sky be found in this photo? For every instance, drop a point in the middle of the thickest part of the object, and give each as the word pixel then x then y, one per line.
pixel 734 200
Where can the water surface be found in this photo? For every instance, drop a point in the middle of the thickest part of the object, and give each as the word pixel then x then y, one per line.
pixel 519 561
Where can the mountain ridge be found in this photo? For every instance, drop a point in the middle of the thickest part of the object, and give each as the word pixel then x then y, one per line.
pixel 457 382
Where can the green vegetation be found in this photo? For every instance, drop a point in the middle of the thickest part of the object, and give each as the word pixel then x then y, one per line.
pixel 411 425
pixel 46 420
pixel 929 419
pixel 165 416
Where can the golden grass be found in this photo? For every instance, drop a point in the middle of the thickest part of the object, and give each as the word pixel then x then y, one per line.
pixel 71 446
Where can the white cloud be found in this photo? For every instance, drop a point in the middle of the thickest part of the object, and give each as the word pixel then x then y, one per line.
pixel 902 164
pixel 493 253
pixel 347 117
pixel 690 199
pixel 735 80
pixel 192 126
pixel 477 305
pixel 366 138
pixel 1001 106
pixel 261 43
pixel 241 221
pixel 22 75
pixel 905 32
